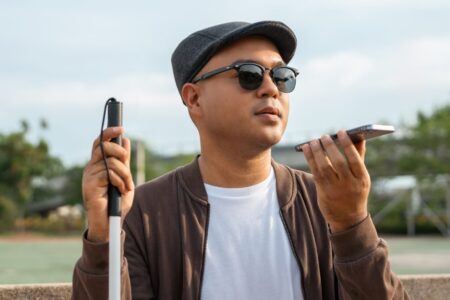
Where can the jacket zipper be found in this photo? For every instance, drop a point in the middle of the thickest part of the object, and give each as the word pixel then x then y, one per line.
pixel 291 242
pixel 204 253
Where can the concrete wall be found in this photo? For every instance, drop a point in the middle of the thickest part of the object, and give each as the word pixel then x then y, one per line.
pixel 52 291
pixel 426 287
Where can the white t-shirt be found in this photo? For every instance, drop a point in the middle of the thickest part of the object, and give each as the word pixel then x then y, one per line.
pixel 248 254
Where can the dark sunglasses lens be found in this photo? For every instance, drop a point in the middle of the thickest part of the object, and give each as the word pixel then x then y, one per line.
pixel 284 78
pixel 250 76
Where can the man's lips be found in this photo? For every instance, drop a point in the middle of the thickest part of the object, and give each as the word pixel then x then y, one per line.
pixel 269 110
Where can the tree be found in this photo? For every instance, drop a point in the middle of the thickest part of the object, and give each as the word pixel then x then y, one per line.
pixel 72 189
pixel 423 151
pixel 20 163
pixel 429 144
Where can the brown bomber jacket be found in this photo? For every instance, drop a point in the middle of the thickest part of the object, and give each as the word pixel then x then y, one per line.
pixel 165 232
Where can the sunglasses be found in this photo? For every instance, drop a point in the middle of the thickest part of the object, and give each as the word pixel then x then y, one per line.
pixel 251 76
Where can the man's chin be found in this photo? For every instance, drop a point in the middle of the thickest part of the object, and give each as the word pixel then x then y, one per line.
pixel 269 141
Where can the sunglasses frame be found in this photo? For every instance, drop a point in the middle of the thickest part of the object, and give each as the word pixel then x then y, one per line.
pixel 236 66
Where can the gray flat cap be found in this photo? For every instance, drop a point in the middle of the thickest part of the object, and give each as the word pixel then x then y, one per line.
pixel 197 49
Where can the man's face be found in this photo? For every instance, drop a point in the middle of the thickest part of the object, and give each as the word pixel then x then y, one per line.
pixel 247 118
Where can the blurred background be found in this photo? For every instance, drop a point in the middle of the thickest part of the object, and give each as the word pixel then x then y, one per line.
pixel 360 62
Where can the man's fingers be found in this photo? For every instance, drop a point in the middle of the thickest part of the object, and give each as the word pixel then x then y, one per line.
pixel 126 144
pixel 361 148
pixel 111 150
pixel 323 164
pixel 117 181
pixel 335 157
pixel 307 152
pixel 115 167
pixel 354 159
pixel 108 134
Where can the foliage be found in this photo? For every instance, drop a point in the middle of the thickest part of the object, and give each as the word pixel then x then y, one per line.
pixel 20 163
pixel 8 212
pixel 158 165
pixel 72 189
pixel 429 143
pixel 422 150
pixel 52 225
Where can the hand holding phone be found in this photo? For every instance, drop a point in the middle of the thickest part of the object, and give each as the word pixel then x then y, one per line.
pixel 359 133
pixel 341 179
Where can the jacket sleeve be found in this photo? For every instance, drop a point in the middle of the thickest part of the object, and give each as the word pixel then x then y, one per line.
pixel 90 276
pixel 361 265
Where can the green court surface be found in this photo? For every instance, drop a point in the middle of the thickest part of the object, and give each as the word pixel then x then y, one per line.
pixel 419 255
pixel 52 260
pixel 38 261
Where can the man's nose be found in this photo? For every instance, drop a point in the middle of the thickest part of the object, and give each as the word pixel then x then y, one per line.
pixel 268 88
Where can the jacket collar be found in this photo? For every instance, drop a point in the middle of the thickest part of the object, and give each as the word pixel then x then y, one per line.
pixel 286 187
pixel 192 181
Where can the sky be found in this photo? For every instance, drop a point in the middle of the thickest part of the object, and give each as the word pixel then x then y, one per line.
pixel 360 62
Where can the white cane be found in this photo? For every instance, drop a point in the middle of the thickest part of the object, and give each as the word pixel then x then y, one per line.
pixel 114 198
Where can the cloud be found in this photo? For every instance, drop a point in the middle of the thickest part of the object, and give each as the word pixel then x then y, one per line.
pixel 153 90
pixel 347 89
pixel 152 111
pixel 418 64
pixel 422 63
pixel 342 71
pixel 389 3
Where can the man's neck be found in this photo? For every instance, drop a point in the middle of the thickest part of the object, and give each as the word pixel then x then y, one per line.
pixel 232 169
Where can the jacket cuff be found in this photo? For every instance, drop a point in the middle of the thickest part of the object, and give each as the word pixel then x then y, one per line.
pixel 355 242
pixel 95 256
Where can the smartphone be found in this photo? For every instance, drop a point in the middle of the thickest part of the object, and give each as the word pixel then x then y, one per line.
pixel 360 133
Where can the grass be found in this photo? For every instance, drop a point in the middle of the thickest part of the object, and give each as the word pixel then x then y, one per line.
pixel 37 261
pixel 420 255
pixel 45 260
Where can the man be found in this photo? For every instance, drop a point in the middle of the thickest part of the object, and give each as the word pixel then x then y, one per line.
pixel 234 224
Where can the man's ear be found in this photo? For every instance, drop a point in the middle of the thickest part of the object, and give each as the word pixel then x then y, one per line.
pixel 190 95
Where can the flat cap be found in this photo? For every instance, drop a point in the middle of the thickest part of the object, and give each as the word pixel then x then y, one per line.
pixel 194 52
